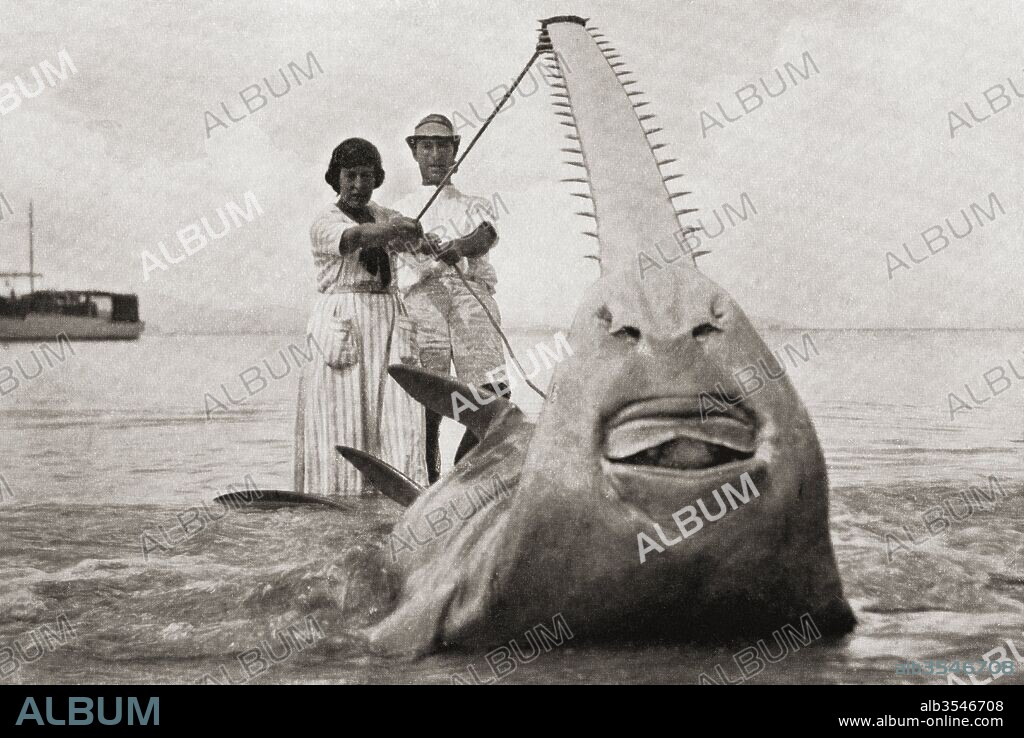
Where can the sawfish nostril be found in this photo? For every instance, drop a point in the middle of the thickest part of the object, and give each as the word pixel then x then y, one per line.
pixel 629 332
pixel 705 329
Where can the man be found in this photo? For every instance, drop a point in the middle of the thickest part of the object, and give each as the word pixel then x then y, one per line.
pixel 451 324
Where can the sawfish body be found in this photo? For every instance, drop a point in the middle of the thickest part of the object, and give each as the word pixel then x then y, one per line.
pixel 584 515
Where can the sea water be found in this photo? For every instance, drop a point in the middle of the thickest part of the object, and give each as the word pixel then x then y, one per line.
pixel 115 566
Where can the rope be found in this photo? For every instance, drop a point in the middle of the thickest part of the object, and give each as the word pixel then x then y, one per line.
pixel 541 48
pixel 497 108
pixel 501 334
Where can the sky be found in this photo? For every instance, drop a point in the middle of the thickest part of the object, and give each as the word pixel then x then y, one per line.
pixel 843 167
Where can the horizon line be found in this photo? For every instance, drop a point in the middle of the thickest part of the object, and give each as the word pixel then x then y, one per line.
pixel 154 329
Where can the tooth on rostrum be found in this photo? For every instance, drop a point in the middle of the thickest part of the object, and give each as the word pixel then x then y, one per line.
pixel 573 151
pixel 586 214
pixel 671 177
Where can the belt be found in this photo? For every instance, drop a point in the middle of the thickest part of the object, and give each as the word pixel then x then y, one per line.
pixel 447 279
pixel 444 276
pixel 372 288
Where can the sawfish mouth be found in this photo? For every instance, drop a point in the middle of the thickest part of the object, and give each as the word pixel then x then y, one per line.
pixel 672 436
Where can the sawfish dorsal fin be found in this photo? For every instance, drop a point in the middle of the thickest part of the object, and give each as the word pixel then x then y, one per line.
pixel 386 478
pixel 614 157
pixel 475 408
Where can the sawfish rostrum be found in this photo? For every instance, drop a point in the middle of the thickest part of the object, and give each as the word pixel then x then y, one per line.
pixel 634 508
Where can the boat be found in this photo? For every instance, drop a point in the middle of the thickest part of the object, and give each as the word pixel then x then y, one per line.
pixel 81 315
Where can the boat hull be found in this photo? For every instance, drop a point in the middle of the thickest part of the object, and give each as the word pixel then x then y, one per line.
pixel 50 327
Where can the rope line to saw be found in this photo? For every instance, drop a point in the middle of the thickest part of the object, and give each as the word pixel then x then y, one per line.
pixel 542 47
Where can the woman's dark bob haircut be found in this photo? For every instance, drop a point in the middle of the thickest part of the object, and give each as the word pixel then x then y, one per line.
pixel 354 152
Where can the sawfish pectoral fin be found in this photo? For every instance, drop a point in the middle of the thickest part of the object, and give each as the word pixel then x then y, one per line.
pixel 440 393
pixel 386 478
pixel 272 499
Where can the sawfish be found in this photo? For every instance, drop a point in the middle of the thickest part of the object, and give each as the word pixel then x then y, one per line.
pixel 610 510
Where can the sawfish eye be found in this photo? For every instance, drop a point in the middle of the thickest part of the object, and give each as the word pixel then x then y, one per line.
pixel 629 332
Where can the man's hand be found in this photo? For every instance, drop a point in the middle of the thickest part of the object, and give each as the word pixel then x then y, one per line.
pixel 431 244
pixel 449 255
pixel 432 247
pixel 477 243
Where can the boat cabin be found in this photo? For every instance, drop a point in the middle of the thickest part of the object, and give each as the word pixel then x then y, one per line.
pixel 110 306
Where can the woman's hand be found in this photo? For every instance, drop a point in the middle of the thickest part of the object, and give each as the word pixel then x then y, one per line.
pixel 398 235
pixel 404 235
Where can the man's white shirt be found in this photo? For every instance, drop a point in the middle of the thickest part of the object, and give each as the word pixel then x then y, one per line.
pixel 452 215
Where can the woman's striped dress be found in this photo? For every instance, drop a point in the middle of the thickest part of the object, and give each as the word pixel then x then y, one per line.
pixel 358 405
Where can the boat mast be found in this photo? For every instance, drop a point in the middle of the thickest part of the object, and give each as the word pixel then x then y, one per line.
pixel 31 253
pixel 31 273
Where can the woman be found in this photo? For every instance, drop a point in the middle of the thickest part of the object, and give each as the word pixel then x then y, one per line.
pixel 346 396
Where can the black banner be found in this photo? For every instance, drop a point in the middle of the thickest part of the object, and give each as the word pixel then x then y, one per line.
pixel 175 708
